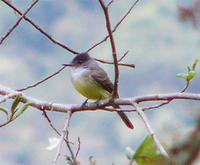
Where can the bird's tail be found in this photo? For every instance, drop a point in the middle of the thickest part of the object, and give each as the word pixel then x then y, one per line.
pixel 124 118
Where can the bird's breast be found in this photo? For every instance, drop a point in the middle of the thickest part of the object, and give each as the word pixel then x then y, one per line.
pixel 78 74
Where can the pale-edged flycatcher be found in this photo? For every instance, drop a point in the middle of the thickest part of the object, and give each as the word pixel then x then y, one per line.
pixel 90 80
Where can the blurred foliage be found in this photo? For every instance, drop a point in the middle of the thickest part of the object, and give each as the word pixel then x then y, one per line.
pixel 190 13
pixel 186 152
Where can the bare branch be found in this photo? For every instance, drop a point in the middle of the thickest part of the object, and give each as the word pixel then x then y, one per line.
pixel 39 104
pixel 114 51
pixel 116 26
pixel 150 129
pixel 120 64
pixel 50 123
pixel 54 40
pixel 18 21
pixel 40 29
pixel 108 5
pixel 124 55
pixel 41 81
pixel 64 133
pixel 168 101
pixel 79 147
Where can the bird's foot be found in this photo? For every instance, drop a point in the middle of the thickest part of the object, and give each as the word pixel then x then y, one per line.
pixel 84 103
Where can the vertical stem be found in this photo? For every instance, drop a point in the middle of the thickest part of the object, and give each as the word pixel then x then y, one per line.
pixel 150 129
pixel 112 42
pixel 63 135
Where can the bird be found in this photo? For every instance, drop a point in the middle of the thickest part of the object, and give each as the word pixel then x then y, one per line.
pixel 92 81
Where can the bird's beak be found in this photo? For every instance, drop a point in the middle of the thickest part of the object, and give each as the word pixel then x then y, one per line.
pixel 66 65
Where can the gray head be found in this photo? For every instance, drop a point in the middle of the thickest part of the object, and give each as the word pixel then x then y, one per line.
pixel 82 60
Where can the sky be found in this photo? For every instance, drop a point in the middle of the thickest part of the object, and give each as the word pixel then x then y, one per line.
pixel 159 45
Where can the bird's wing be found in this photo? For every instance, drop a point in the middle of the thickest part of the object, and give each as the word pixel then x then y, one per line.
pixel 101 77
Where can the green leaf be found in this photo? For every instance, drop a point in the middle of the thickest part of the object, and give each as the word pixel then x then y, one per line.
pixel 26 105
pixel 4 111
pixel 182 75
pixel 195 64
pixel 16 102
pixel 191 75
pixel 147 153
pixel 188 68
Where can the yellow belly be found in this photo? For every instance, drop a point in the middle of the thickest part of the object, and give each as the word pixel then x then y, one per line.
pixel 89 88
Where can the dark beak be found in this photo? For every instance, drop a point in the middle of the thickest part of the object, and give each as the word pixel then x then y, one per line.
pixel 66 65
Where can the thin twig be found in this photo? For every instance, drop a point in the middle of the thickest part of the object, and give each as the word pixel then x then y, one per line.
pixel 120 64
pixel 18 21
pixel 63 135
pixel 50 123
pixel 41 81
pixel 122 57
pixel 40 29
pixel 114 51
pixel 73 158
pixel 109 3
pixel 150 129
pixel 54 40
pixel 116 26
pixel 79 147
pixel 168 101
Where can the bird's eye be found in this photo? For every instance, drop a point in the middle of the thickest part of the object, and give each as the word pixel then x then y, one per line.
pixel 80 61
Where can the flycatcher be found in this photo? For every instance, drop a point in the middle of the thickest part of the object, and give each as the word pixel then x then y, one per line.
pixel 90 80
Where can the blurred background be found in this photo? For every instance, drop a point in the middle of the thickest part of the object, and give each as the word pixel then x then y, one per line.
pixel 162 38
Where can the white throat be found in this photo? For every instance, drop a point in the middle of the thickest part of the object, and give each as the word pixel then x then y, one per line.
pixel 77 73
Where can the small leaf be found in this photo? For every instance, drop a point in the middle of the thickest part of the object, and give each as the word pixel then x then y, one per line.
pixel 195 64
pixel 191 75
pixel 182 75
pixel 26 105
pixel 147 153
pixel 4 111
pixel 16 103
pixel 189 69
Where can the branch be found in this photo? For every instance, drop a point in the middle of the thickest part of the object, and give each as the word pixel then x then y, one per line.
pixel 114 51
pixel 40 29
pixel 168 101
pixel 120 64
pixel 54 40
pixel 56 107
pixel 41 81
pixel 18 21
pixel 63 135
pixel 50 123
pixel 150 129
pixel 115 27
pixel 79 147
